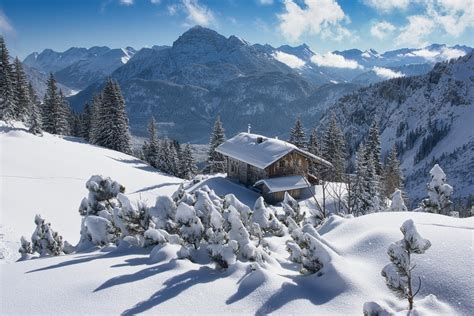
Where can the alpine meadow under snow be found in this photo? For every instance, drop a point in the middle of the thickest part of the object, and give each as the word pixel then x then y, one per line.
pixel 218 176
pixel 353 249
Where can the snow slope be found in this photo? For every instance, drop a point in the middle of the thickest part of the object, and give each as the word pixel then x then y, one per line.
pixel 47 175
pixel 127 281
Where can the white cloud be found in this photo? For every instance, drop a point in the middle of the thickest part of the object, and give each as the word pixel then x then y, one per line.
pixel 382 29
pixel 385 6
pixel 439 55
pixel 5 25
pixel 126 2
pixel 316 17
pixel 172 9
pixel 155 1
pixel 416 31
pixel 197 13
pixel 454 16
pixel 387 73
pixel 288 59
pixel 265 2
pixel 333 60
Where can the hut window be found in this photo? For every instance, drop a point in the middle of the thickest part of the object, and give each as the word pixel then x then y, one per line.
pixel 281 163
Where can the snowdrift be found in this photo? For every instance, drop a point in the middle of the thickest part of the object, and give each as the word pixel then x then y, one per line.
pixel 127 281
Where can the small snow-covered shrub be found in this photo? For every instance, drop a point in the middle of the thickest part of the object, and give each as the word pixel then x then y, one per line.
pixel 398 273
pixel 44 241
pixel 99 230
pixel 266 219
pixel 306 248
pixel 164 213
pixel 244 211
pixel 439 193
pixel 190 226
pixel 397 205
pixel 292 209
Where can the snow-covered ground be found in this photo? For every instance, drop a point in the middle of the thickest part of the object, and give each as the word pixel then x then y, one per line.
pixel 47 175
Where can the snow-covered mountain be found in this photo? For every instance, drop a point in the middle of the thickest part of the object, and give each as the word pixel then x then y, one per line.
pixel 429 117
pixel 77 68
pixel 38 80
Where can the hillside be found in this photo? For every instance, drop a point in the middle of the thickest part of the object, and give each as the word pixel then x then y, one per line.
pixel 47 175
pixel 428 118
pixel 99 281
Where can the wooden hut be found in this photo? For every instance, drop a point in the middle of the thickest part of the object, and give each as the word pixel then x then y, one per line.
pixel 269 164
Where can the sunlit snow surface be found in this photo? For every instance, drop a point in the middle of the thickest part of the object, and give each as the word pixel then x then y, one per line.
pixel 47 175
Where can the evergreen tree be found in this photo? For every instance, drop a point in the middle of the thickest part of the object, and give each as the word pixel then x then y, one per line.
pixel 393 176
pixel 111 130
pixel 86 118
pixel 151 148
pixel 373 144
pixel 315 149
pixel 34 117
pixel 334 150
pixel 439 193
pixel 216 161
pixel 21 91
pixel 94 118
pixel 55 120
pixel 8 103
pixel 188 168
pixel 63 116
pixel 297 135
pixel 398 273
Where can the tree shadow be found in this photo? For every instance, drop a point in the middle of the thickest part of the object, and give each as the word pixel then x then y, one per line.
pixel 153 187
pixel 137 276
pixel 139 164
pixel 175 285
pixel 317 290
pixel 86 258
pixel 247 284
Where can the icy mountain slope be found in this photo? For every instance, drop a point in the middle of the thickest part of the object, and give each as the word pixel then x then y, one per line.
pixel 47 175
pixel 77 67
pixel 429 118
pixel 127 281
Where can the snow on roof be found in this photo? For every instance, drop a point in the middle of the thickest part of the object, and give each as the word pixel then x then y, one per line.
pixel 283 183
pixel 260 151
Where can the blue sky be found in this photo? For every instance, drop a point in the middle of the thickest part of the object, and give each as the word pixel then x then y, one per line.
pixel 325 25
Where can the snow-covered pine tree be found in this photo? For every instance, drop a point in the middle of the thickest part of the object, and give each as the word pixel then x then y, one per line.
pixel 86 117
pixel 334 150
pixel 188 168
pixel 397 205
pixel 439 193
pixel 398 273
pixel 22 95
pixel 151 150
pixel 8 102
pixel 373 146
pixel 63 116
pixel 297 135
pixel 393 176
pixel 45 240
pixel 314 148
pixel 95 107
pixel 372 184
pixel 216 161
pixel 34 116
pixel 358 203
pixel 112 130
pixel 54 120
